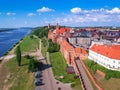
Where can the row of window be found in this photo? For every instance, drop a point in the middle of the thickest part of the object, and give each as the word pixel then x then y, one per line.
pixel 100 56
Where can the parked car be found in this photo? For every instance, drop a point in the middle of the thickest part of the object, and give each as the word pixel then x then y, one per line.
pixel 38 74
pixel 38 82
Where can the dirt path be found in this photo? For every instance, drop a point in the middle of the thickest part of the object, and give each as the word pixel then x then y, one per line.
pixel 50 83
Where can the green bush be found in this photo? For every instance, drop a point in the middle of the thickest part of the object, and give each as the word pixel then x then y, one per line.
pixel 107 76
pixel 44 42
pixel 73 85
pixel 34 65
pixel 53 47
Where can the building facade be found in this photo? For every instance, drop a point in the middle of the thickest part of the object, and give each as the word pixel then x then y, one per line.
pixel 106 55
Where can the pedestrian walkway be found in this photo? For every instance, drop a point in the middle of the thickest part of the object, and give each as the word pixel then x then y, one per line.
pixel 83 76
pixel 48 80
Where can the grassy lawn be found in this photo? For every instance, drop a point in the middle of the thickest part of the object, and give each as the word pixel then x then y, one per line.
pixel 29 44
pixel 59 69
pixel 43 50
pixel 111 84
pixel 3 75
pixel 19 78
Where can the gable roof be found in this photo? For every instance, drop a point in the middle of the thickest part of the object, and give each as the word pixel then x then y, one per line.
pixel 62 30
pixel 66 45
pixel 80 50
pixel 111 51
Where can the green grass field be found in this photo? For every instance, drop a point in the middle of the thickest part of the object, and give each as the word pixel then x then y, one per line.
pixel 59 69
pixel 29 44
pixel 43 50
pixel 19 78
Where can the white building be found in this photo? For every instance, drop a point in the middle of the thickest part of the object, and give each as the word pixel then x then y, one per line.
pixel 105 55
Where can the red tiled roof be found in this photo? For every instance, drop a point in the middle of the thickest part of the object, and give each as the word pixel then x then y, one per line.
pixel 62 30
pixel 111 51
pixel 66 45
pixel 80 50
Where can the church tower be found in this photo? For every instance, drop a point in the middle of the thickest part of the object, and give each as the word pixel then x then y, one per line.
pixel 57 26
pixel 48 25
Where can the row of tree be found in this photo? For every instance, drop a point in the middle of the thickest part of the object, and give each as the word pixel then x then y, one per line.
pixel 53 47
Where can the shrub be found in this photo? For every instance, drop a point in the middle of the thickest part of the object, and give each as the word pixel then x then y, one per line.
pixel 34 65
pixel 73 85
pixel 53 47
pixel 107 76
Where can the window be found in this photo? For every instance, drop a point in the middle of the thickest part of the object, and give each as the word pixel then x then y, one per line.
pixel 113 61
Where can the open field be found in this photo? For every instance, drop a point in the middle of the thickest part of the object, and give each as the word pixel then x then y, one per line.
pixel 59 69
pixel 111 84
pixel 18 78
pixel 29 44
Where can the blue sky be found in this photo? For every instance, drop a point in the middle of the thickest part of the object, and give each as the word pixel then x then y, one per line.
pixel 32 13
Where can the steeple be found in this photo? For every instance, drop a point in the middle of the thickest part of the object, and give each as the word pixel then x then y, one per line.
pixel 57 26
pixel 48 25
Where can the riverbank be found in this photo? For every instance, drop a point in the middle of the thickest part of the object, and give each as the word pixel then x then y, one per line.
pixel 10 53
pixel 13 76
pixel 8 39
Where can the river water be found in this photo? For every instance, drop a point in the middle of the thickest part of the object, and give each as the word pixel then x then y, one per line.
pixel 11 37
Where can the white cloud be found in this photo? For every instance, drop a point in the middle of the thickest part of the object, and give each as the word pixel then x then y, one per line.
pixel 114 11
pixel 45 9
pixel 31 14
pixel 10 14
pixel 76 10
pixel 91 17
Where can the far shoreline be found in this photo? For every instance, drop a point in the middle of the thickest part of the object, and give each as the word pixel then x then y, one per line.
pixel 12 48
pixel 9 51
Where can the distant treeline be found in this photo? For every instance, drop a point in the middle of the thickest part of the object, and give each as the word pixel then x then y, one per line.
pixel 42 31
pixel 4 30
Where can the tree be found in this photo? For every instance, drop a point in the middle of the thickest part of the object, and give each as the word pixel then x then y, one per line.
pixel 18 55
pixel 31 65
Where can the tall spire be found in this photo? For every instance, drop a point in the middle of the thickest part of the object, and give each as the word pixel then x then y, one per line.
pixel 57 26
pixel 48 25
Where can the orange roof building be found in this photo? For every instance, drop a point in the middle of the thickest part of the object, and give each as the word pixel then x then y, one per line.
pixel 81 53
pixel 62 30
pixel 106 55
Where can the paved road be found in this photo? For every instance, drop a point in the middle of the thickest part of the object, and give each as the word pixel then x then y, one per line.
pixel 49 82
pixel 83 76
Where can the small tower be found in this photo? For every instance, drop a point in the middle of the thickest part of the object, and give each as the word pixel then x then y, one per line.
pixel 57 26
pixel 48 25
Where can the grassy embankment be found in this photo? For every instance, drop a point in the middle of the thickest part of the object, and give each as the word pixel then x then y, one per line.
pixel 18 78
pixel 111 83
pixel 59 69
pixel 29 44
